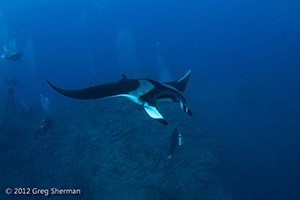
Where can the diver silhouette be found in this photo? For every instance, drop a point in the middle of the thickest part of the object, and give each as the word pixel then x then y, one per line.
pixel 10 98
pixel 175 142
pixel 10 92
pixel 14 56
pixel 44 127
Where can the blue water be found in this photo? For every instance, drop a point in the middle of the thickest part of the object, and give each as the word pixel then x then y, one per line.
pixel 244 57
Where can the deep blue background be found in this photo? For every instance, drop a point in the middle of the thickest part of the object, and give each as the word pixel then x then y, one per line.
pixel 244 57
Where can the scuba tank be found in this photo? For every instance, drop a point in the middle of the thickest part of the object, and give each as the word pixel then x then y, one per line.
pixel 179 139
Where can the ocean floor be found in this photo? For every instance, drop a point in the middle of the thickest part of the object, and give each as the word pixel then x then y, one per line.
pixel 109 150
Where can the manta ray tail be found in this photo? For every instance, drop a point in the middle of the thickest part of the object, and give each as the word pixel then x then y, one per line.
pixel 180 84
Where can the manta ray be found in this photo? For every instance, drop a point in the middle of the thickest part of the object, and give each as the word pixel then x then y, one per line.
pixel 144 92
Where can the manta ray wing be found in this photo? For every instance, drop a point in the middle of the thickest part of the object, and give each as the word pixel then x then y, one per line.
pixel 180 84
pixel 99 91
pixel 154 113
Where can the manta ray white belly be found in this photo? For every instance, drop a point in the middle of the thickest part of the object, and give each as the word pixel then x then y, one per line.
pixel 145 87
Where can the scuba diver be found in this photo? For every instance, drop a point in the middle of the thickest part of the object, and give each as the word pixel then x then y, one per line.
pixel 14 56
pixel 175 141
pixel 11 82
pixel 10 92
pixel 44 127
pixel 10 98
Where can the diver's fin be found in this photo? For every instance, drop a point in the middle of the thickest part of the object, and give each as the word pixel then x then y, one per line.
pixel 154 113
pixel 180 84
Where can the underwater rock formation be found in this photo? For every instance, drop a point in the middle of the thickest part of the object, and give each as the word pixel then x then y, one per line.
pixel 110 151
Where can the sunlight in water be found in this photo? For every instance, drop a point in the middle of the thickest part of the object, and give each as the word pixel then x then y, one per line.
pixel 126 52
pixel 29 54
pixel 3 39
pixel 165 75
